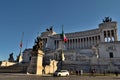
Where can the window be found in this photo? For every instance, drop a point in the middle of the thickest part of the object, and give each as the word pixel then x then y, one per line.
pixel 111 54
pixel 30 58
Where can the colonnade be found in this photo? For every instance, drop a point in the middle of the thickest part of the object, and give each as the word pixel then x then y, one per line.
pixel 79 43
pixel 110 35
pixel 87 42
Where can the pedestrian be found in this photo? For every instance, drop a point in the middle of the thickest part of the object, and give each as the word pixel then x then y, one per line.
pixel 93 72
pixel 116 73
pixel 76 72
pixel 81 72
pixel 104 72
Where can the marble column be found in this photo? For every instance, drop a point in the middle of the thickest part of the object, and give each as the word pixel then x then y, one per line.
pixel 107 36
pixel 111 35
pixel 79 43
pixel 83 43
pixel 115 35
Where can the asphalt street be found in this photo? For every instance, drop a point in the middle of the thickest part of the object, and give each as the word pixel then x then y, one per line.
pixel 13 76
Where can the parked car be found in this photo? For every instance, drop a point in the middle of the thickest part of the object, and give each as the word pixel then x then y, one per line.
pixel 61 73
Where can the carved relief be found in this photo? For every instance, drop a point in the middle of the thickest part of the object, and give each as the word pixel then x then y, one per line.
pixel 110 48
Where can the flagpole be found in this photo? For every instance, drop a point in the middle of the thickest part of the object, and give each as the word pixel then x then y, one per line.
pixel 21 42
pixel 62 49
pixel 64 40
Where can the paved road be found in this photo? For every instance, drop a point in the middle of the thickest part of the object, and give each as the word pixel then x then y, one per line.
pixel 11 76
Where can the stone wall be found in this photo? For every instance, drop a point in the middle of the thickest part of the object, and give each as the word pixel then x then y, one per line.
pixel 17 68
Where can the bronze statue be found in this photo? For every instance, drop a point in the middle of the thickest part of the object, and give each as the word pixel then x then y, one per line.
pixel 47 29
pixel 11 59
pixel 107 19
pixel 38 44
pixel 50 29
pixel 11 55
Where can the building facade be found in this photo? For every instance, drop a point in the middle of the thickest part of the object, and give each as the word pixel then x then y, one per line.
pixel 92 49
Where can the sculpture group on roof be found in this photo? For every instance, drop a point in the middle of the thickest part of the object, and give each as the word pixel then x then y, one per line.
pixel 50 29
pixel 107 19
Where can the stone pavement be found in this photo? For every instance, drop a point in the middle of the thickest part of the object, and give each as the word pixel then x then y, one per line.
pixel 13 76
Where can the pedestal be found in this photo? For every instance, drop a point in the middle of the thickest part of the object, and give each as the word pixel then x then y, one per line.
pixel 35 66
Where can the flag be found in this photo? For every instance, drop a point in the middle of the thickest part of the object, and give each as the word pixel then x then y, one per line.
pixel 21 44
pixel 64 38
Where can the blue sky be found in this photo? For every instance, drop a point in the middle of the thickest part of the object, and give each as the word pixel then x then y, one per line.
pixel 34 16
